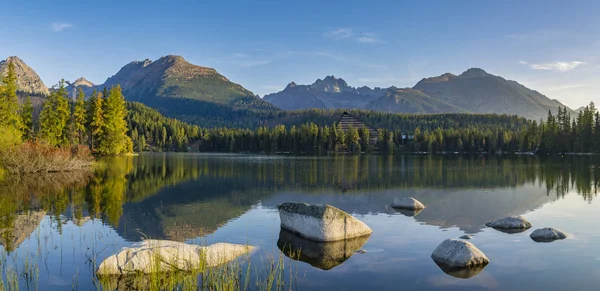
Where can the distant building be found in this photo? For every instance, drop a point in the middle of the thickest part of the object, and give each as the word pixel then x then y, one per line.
pixel 347 121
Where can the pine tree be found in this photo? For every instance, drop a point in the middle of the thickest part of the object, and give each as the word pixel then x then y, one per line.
pixel 27 119
pixel 10 121
pixel 96 120
pixel 114 139
pixel 78 119
pixel 54 118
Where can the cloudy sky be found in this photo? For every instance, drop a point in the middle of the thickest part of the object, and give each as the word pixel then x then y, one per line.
pixel 550 46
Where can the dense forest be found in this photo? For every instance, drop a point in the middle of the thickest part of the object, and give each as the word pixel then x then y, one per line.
pixel 64 134
pixel 108 125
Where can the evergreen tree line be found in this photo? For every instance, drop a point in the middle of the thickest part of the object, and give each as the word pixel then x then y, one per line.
pixel 558 134
pixel 98 122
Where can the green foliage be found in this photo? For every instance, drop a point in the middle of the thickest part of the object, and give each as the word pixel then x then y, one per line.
pixel 26 113
pixel 10 121
pixel 113 138
pixel 54 118
pixel 78 119
pixel 95 118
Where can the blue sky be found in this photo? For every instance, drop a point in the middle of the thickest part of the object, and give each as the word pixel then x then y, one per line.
pixel 549 46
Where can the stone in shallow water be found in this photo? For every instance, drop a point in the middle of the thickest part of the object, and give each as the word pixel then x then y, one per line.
pixel 466 236
pixel 456 253
pixel 511 224
pixel 155 256
pixel 322 255
pixel 547 234
pixel 408 203
pixel 320 222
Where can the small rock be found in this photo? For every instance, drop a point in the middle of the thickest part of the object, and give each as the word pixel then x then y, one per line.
pixel 456 253
pixel 408 203
pixel 320 222
pixel 547 235
pixel 512 224
pixel 466 236
pixel 361 251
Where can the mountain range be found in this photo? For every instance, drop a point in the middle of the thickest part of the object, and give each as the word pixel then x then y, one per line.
pixel 473 91
pixel 201 95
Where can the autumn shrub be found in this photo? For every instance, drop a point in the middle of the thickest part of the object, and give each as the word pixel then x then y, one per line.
pixel 34 157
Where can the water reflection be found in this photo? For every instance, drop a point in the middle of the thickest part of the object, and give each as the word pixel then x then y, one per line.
pixel 188 196
pixel 462 273
pixel 322 255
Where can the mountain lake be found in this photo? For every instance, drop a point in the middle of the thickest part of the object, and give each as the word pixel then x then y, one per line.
pixel 57 228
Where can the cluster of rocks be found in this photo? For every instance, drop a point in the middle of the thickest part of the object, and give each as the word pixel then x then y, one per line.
pixel 321 235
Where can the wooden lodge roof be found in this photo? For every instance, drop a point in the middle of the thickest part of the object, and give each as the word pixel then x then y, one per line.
pixel 347 121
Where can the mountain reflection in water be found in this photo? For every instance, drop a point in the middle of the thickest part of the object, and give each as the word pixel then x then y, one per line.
pixel 233 198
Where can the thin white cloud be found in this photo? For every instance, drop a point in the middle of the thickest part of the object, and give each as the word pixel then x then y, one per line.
pixel 240 55
pixel 348 33
pixel 60 26
pixel 554 66
pixel 340 33
pixel 253 63
pixel 369 38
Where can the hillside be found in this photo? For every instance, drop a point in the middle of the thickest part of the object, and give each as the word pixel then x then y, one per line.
pixel 478 91
pixel 474 91
pixel 329 93
pixel 189 92
pixel 411 101
pixel 28 81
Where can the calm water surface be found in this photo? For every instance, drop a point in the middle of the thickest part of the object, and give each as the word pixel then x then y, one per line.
pixel 69 223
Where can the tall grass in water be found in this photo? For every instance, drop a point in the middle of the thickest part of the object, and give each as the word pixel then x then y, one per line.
pixel 272 274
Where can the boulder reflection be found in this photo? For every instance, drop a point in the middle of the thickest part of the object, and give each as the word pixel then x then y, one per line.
pixel 461 273
pixel 322 255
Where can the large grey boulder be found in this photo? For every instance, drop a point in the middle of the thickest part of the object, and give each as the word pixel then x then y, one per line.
pixel 322 255
pixel 547 234
pixel 456 253
pixel 320 222
pixel 408 203
pixel 155 256
pixel 512 224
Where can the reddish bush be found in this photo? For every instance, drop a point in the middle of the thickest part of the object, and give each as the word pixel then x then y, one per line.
pixel 31 157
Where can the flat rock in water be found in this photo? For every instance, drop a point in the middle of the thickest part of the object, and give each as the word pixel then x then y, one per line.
pixel 547 234
pixel 510 224
pixel 456 253
pixel 155 256
pixel 320 222
pixel 408 203
pixel 466 236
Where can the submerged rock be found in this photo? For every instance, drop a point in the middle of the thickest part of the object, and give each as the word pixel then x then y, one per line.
pixel 456 253
pixel 547 234
pixel 322 255
pixel 512 224
pixel 408 212
pixel 466 236
pixel 408 203
pixel 320 222
pixel 155 256
pixel 462 272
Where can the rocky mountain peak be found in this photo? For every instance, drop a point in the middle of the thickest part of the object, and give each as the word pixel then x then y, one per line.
pixel 331 84
pixel 82 82
pixel 28 80
pixel 474 73
pixel 291 85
